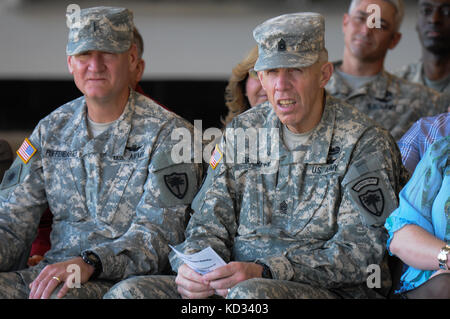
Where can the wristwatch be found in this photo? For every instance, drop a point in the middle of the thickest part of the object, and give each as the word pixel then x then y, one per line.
pixel 443 257
pixel 266 273
pixel 91 258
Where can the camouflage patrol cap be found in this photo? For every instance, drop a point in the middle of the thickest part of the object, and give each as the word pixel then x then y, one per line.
pixel 290 41
pixel 107 29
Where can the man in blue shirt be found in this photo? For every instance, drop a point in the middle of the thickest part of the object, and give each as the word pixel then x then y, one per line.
pixel 422 134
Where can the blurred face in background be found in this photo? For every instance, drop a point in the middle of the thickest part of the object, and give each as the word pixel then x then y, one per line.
pixel 254 90
pixel 366 43
pixel 433 25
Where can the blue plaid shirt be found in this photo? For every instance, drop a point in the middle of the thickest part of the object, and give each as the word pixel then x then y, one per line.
pixel 422 134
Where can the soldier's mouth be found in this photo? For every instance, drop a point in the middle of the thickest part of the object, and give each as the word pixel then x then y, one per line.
pixel 286 103
pixel 433 34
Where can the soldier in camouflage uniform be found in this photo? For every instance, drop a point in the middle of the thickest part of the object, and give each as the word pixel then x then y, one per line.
pixel 433 27
pixel 306 221
pixel 360 79
pixel 118 197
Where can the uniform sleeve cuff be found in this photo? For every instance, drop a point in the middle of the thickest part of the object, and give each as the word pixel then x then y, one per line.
pixel 175 262
pixel 280 267
pixel 113 267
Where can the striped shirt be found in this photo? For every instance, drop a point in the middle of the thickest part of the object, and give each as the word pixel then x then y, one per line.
pixel 422 134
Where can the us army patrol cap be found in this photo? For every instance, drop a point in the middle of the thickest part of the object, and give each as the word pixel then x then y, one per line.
pixel 107 29
pixel 290 41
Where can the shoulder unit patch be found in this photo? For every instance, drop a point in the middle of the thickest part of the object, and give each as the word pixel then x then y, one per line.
pixel 177 183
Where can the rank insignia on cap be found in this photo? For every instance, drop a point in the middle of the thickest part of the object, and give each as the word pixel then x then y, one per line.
pixel 281 45
pixel 216 157
pixel 26 151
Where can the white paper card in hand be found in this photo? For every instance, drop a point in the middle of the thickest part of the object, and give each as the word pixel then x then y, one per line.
pixel 202 262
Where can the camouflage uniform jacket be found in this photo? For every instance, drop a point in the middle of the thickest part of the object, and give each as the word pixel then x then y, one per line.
pixel 393 102
pixel 316 218
pixel 111 194
pixel 413 73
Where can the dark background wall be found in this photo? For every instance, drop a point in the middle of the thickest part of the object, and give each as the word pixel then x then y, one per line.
pixel 25 102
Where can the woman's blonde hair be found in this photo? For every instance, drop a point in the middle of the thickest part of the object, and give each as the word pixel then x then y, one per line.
pixel 235 98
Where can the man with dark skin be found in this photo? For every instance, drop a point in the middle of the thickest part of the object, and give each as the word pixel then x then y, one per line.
pixel 433 28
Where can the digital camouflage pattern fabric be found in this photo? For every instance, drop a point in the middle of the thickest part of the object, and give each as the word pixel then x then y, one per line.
pixel 392 102
pixel 313 215
pixel 290 40
pixel 164 287
pixel 317 217
pixel 414 73
pixel 106 29
pixel 119 195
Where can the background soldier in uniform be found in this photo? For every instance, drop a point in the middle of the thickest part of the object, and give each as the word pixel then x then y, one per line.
pixel 311 226
pixel 101 163
pixel 433 27
pixel 361 80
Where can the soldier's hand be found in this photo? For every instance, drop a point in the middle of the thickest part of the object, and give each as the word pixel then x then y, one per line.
pixel 53 275
pixel 225 277
pixel 191 284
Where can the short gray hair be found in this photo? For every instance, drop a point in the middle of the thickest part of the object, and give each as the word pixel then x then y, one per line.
pixel 323 56
pixel 137 39
pixel 399 11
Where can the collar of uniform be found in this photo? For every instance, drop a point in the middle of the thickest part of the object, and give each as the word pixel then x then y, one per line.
pixel 336 86
pixel 320 139
pixel 80 131
pixel 379 88
pixel 113 144
pixel 122 128
pixel 315 151
pixel 382 85
pixel 418 73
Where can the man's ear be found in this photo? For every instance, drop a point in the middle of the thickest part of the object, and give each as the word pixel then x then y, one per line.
pixel 345 21
pixel 396 37
pixel 140 70
pixel 133 57
pixel 69 64
pixel 326 71
pixel 261 77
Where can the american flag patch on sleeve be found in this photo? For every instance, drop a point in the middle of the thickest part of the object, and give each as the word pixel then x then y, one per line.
pixel 215 158
pixel 26 151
